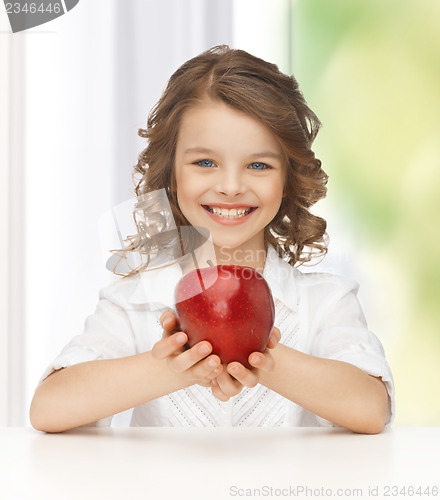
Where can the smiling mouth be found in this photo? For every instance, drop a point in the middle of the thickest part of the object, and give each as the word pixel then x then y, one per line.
pixel 233 213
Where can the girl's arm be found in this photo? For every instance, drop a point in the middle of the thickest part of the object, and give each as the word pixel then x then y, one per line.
pixel 86 392
pixel 334 390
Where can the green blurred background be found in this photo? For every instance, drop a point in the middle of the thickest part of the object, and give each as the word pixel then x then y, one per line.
pixel 371 71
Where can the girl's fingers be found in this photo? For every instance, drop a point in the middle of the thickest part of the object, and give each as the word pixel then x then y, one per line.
pixel 190 357
pixel 169 345
pixel 246 377
pixel 274 338
pixel 262 361
pixel 208 368
pixel 217 392
pixel 228 385
pixel 169 321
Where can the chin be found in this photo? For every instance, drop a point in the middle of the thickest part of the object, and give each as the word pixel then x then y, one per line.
pixel 228 251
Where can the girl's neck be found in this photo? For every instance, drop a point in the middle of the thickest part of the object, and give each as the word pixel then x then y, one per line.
pixel 248 257
pixel 220 255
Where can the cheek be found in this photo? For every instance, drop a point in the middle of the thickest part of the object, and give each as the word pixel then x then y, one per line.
pixel 180 184
pixel 187 194
pixel 275 195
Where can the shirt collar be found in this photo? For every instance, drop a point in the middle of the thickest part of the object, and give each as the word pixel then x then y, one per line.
pixel 281 278
pixel 156 287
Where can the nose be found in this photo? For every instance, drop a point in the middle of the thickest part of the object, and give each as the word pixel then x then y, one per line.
pixel 230 182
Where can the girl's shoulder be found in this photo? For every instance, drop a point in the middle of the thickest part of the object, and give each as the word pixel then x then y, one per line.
pixel 292 285
pixel 155 287
pixel 313 278
pixel 120 289
pixel 325 295
pixel 325 285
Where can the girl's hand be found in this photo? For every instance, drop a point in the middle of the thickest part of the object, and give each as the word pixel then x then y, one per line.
pixel 236 376
pixel 194 365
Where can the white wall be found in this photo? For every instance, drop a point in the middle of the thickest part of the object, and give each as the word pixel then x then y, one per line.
pixel 264 28
pixel 4 218
pixel 81 86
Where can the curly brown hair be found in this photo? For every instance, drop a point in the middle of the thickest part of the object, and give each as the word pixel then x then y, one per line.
pixel 261 90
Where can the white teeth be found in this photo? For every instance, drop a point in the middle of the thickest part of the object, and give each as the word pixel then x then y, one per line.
pixel 234 213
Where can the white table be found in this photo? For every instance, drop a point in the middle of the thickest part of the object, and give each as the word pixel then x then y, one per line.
pixel 223 463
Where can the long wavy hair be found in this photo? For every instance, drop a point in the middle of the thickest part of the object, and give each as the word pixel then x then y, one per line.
pixel 258 88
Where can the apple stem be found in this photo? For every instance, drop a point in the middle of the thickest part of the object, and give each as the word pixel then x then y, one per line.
pixel 199 274
pixel 182 248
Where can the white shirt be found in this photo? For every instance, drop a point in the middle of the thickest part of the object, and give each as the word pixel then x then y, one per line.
pixel 317 313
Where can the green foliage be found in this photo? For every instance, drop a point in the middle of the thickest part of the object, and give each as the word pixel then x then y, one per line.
pixel 371 71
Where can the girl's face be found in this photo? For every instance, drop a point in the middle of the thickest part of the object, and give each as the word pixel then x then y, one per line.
pixel 230 175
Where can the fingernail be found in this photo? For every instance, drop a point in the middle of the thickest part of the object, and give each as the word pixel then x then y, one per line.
pixel 255 359
pixel 212 363
pixel 203 349
pixel 181 337
pixel 233 369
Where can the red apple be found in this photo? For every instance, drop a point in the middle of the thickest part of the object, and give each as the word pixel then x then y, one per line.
pixel 229 306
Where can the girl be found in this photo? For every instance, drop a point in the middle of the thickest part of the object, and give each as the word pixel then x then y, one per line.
pixel 230 142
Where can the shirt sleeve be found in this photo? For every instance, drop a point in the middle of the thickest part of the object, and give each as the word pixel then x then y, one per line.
pixel 108 334
pixel 342 335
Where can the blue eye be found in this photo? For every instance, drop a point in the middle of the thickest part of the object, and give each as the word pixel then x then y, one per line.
pixel 205 163
pixel 258 165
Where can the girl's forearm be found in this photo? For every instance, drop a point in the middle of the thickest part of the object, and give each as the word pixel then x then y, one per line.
pixel 334 390
pixel 87 392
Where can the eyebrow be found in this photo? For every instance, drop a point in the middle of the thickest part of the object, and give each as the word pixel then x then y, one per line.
pixel 262 154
